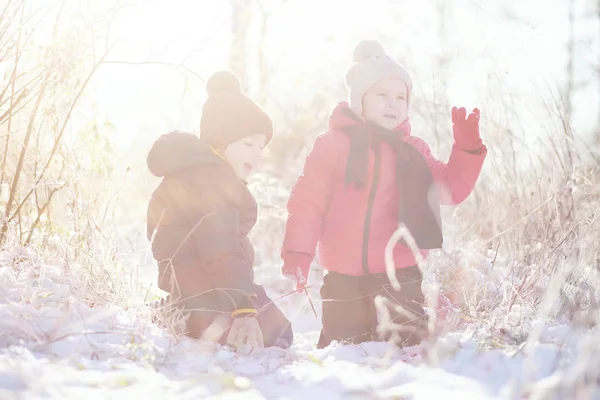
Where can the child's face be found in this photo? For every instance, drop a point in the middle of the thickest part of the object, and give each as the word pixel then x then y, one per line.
pixel 245 154
pixel 386 103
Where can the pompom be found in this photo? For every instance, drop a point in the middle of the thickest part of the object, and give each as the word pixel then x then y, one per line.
pixel 367 49
pixel 223 83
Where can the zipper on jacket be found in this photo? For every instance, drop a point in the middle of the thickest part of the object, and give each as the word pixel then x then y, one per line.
pixel 367 226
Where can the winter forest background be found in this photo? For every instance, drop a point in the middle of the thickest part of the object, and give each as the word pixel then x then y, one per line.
pixel 86 87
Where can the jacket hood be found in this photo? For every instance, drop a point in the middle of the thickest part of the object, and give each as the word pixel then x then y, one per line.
pixel 176 151
pixel 342 117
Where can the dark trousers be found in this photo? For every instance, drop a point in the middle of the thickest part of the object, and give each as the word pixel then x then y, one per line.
pixel 203 310
pixel 350 314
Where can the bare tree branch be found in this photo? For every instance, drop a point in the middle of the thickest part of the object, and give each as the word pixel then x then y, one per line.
pixel 10 109
pixel 168 64
pixel 17 175
pixel 58 138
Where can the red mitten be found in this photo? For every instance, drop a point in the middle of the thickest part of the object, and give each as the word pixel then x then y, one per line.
pixel 295 268
pixel 466 129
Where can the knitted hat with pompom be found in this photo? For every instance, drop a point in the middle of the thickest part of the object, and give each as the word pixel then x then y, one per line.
pixel 228 115
pixel 372 64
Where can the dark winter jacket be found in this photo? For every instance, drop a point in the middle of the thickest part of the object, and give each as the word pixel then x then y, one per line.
pixel 198 220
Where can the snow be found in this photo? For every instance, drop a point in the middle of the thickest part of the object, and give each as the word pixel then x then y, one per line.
pixel 53 344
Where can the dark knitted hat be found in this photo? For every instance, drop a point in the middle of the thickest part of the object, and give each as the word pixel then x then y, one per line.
pixel 229 115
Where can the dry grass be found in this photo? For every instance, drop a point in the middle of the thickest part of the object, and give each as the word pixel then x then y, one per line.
pixel 523 246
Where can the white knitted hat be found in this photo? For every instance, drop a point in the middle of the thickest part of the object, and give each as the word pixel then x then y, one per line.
pixel 372 64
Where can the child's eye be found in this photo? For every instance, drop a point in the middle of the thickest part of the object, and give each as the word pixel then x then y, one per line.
pixel 249 144
pixel 381 94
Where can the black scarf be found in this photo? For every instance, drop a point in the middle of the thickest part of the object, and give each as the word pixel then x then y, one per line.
pixel 419 207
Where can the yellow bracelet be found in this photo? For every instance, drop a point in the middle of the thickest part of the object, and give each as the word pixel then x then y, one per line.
pixel 244 311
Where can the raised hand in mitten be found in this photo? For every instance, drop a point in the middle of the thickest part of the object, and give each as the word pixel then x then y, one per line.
pixel 466 129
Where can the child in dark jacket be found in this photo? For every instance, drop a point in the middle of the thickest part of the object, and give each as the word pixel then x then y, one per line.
pixel 199 217
pixel 362 178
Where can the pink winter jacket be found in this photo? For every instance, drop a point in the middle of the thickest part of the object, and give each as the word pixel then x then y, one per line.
pixel 323 211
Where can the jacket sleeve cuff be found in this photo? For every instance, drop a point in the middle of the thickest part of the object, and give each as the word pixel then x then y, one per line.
pixel 244 312
pixel 243 304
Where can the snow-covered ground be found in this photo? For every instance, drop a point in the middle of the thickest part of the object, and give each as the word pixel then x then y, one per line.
pixel 54 345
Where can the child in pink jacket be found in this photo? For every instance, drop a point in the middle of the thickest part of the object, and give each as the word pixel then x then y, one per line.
pixel 363 177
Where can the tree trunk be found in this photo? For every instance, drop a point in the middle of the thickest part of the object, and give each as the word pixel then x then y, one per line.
pixel 238 58
pixel 566 203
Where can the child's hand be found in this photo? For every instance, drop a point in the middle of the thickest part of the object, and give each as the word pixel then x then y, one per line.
pixel 245 331
pixel 295 268
pixel 466 129
pixel 296 277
